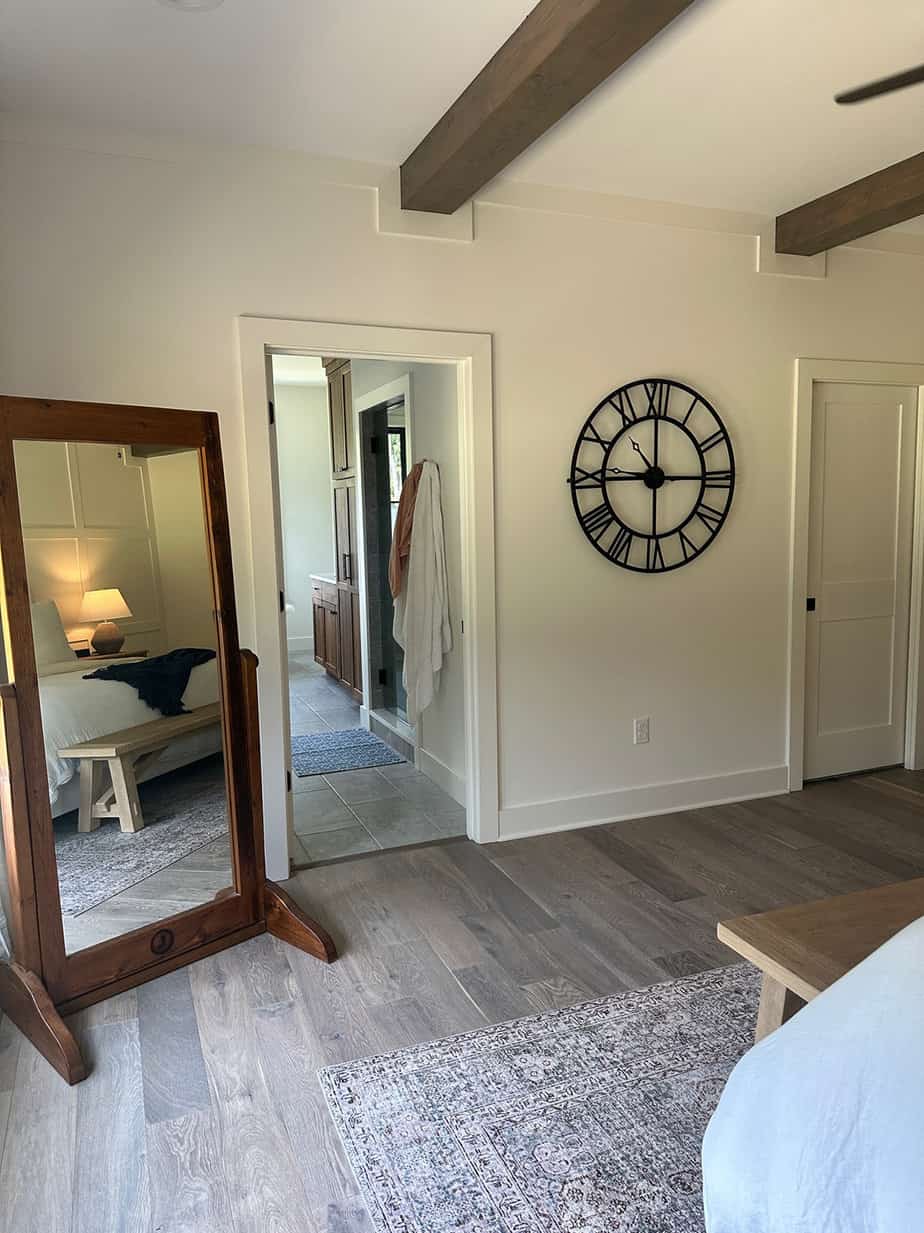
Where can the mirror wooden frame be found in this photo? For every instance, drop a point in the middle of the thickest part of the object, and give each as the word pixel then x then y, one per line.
pixel 43 982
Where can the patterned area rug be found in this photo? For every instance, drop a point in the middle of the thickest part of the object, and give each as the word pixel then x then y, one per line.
pixel 584 1120
pixel 353 749
pixel 183 811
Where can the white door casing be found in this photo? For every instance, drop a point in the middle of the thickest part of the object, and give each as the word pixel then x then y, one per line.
pixel 861 513
pixel 259 337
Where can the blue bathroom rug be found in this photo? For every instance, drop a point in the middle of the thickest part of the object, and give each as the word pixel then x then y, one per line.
pixel 353 749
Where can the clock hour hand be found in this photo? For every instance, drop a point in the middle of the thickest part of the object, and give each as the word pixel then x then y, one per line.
pixel 620 474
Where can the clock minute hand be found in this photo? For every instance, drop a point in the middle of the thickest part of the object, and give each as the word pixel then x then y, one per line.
pixel 638 449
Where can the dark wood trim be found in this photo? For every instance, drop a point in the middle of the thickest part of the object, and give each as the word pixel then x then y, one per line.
pixel 17 843
pixel 20 663
pixel 249 665
pixel 24 999
pixel 880 200
pixel 44 981
pixel 286 920
pixel 46 419
pixel 71 976
pixel 562 51
pixel 101 992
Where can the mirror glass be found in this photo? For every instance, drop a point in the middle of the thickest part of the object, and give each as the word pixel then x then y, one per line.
pixel 123 620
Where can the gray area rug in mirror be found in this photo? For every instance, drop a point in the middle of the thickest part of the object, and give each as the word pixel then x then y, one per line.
pixel 583 1120
pixel 183 810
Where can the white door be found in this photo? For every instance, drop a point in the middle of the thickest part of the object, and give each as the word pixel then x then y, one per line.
pixel 859 574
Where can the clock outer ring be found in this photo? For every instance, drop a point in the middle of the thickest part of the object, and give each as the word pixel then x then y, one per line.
pixel 607 400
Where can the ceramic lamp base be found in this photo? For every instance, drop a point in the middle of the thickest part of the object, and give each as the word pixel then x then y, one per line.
pixel 107 639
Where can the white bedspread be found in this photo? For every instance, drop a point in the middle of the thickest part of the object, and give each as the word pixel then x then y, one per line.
pixel 821 1125
pixel 75 710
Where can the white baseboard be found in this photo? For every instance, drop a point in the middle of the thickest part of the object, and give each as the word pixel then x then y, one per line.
pixel 543 817
pixel 303 642
pixel 442 775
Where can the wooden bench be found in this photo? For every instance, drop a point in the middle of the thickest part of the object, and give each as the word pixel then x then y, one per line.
pixel 127 754
pixel 803 949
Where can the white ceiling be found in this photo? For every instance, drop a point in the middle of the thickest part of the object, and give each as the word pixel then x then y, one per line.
pixel 731 107
pixel 298 370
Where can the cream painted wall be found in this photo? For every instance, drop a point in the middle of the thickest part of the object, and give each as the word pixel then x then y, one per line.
pixel 185 573
pixel 434 434
pixel 122 279
pixel 303 449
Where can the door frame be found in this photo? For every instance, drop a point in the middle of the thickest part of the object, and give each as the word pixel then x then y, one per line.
pixel 258 339
pixel 808 373
pixel 400 388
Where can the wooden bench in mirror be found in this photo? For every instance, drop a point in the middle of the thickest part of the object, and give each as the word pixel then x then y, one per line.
pixel 127 754
pixel 128 500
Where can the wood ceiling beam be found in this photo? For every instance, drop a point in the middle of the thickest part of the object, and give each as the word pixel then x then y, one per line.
pixel 562 51
pixel 883 199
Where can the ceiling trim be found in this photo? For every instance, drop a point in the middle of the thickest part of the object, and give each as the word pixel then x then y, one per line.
pixel 561 52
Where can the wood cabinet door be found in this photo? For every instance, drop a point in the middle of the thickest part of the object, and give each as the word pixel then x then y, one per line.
pixel 357 648
pixel 332 642
pixel 351 533
pixel 346 557
pixel 345 630
pixel 346 398
pixel 335 404
pixel 320 633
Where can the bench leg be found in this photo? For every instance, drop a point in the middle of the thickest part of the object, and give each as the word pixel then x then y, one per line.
pixel 89 791
pixel 127 805
pixel 777 1004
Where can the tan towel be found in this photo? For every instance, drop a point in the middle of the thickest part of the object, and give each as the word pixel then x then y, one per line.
pixel 401 535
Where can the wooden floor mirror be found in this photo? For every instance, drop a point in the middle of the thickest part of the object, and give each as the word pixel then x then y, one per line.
pixel 132 824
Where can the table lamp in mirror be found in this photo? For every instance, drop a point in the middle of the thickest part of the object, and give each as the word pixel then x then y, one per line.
pixel 103 607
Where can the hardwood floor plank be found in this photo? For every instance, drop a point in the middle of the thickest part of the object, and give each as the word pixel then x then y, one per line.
pixel 490 988
pixel 266 1183
pixel 10 1040
pixel 554 993
pixel 290 1055
pixel 642 865
pixel 172 1070
pixel 508 899
pixel 37 1170
pixel 189 1191
pixel 510 949
pixel 111 1191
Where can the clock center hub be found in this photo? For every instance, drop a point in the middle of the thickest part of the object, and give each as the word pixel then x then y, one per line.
pixel 653 477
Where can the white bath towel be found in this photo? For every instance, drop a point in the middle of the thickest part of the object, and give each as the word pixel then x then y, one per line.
pixel 421 624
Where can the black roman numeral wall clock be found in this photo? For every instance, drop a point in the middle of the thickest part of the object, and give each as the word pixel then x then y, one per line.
pixel 652 475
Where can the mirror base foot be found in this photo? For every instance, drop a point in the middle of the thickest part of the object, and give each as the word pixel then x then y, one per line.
pixel 24 999
pixel 286 920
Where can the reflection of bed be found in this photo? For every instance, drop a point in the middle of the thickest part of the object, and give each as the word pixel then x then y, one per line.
pixel 75 711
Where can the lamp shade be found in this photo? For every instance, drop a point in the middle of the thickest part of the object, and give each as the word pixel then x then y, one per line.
pixel 104 605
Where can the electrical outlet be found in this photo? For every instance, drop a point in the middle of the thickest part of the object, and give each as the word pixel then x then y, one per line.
pixel 640 731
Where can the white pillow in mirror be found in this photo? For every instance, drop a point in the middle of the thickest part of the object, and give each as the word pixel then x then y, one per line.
pixel 51 645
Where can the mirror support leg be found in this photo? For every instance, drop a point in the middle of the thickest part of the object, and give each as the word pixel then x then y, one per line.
pixel 24 999
pixel 286 920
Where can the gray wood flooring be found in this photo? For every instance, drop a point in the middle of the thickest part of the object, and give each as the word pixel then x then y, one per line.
pixel 203 1114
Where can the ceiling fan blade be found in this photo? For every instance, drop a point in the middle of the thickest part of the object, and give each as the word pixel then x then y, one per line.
pixel 885 85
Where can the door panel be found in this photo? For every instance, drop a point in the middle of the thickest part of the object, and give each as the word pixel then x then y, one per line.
pixel 342 532
pixel 338 445
pixel 860 525
pixel 345 621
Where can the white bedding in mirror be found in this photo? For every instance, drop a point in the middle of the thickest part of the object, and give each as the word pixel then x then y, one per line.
pixel 74 710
